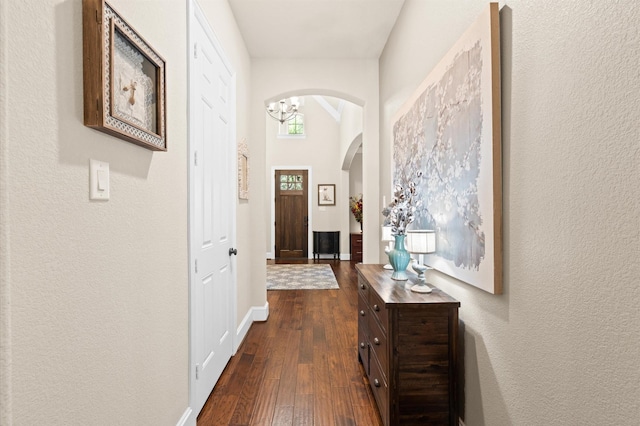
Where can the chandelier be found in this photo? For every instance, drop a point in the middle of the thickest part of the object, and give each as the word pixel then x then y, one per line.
pixel 283 110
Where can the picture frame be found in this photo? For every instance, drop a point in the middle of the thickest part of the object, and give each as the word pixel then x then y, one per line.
pixel 124 79
pixel 243 170
pixel 326 195
pixel 447 140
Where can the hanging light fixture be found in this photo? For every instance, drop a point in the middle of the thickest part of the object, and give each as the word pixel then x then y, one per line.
pixel 284 110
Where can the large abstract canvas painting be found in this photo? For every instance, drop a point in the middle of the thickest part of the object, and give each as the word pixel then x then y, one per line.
pixel 447 140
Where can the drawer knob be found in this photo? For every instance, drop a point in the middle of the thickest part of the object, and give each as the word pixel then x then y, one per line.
pixel 361 313
pixel 376 341
pixel 376 383
pixel 362 286
pixel 362 345
pixel 376 308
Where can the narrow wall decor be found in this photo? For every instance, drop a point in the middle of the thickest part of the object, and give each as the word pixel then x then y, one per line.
pixel 450 130
pixel 243 170
pixel 124 79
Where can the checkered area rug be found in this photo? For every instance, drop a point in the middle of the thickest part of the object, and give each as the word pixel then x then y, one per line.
pixel 300 277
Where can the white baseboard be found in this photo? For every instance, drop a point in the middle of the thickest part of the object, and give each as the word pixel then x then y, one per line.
pixel 187 419
pixel 256 313
pixel 346 256
pixel 261 313
pixel 269 255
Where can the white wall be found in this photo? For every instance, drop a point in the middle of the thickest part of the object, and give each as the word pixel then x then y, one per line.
pixel 355 188
pixel 350 127
pixel 561 345
pixel 95 294
pixel 353 80
pixel 319 150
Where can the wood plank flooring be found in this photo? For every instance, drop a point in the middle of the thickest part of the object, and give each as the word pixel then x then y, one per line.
pixel 300 367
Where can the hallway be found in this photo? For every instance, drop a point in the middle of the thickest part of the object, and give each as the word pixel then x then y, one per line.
pixel 300 367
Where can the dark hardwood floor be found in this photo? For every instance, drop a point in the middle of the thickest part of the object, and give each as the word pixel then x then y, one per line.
pixel 300 367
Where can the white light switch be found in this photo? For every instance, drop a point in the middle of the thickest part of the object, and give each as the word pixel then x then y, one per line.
pixel 103 180
pixel 98 180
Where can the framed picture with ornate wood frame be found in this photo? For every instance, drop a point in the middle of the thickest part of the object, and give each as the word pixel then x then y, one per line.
pixel 124 79
pixel 326 195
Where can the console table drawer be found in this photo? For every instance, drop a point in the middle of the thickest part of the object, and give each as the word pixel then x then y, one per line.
pixel 380 389
pixel 363 290
pixel 378 342
pixel 379 311
pixel 363 337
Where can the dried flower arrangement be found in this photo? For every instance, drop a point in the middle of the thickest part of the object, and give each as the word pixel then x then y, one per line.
pixel 400 212
pixel 355 204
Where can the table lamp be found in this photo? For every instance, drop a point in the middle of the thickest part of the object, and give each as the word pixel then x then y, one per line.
pixel 421 242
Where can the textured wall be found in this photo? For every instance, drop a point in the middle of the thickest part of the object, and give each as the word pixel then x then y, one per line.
pixel 5 275
pixel 99 296
pixel 561 346
pixel 97 328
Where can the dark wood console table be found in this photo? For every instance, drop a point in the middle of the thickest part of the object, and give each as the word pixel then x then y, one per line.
pixel 408 346
pixel 326 243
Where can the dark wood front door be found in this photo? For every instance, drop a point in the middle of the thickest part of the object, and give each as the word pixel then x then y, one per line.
pixel 292 194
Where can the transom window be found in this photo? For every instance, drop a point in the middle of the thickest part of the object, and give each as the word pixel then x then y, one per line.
pixel 293 127
pixel 291 183
pixel 296 125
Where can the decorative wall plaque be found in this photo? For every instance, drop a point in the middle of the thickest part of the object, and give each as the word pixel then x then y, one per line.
pixel 124 79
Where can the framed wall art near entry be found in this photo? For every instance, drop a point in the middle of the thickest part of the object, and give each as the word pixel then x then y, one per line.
pixel 326 195
pixel 124 79
pixel 243 170
pixel 447 139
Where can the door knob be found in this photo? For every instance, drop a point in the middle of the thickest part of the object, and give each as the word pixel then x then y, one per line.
pixel 233 251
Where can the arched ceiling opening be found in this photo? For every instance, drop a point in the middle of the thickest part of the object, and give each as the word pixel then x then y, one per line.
pixel 356 143
pixel 311 92
pixel 351 152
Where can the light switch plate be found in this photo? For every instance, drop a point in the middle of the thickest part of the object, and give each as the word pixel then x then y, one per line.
pixel 98 180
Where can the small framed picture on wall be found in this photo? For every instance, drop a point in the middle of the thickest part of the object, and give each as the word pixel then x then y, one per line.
pixel 326 195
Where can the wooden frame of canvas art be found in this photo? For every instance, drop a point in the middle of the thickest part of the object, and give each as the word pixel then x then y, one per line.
pixel 447 139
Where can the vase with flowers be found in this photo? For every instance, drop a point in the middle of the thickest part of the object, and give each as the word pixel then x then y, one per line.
pixel 399 214
pixel 355 204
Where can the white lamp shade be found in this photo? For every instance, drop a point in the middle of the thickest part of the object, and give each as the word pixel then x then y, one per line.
pixel 386 234
pixel 421 241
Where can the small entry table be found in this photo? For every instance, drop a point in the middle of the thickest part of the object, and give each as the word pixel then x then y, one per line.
pixel 326 242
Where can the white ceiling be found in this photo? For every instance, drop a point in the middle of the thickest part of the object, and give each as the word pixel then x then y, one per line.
pixel 315 29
